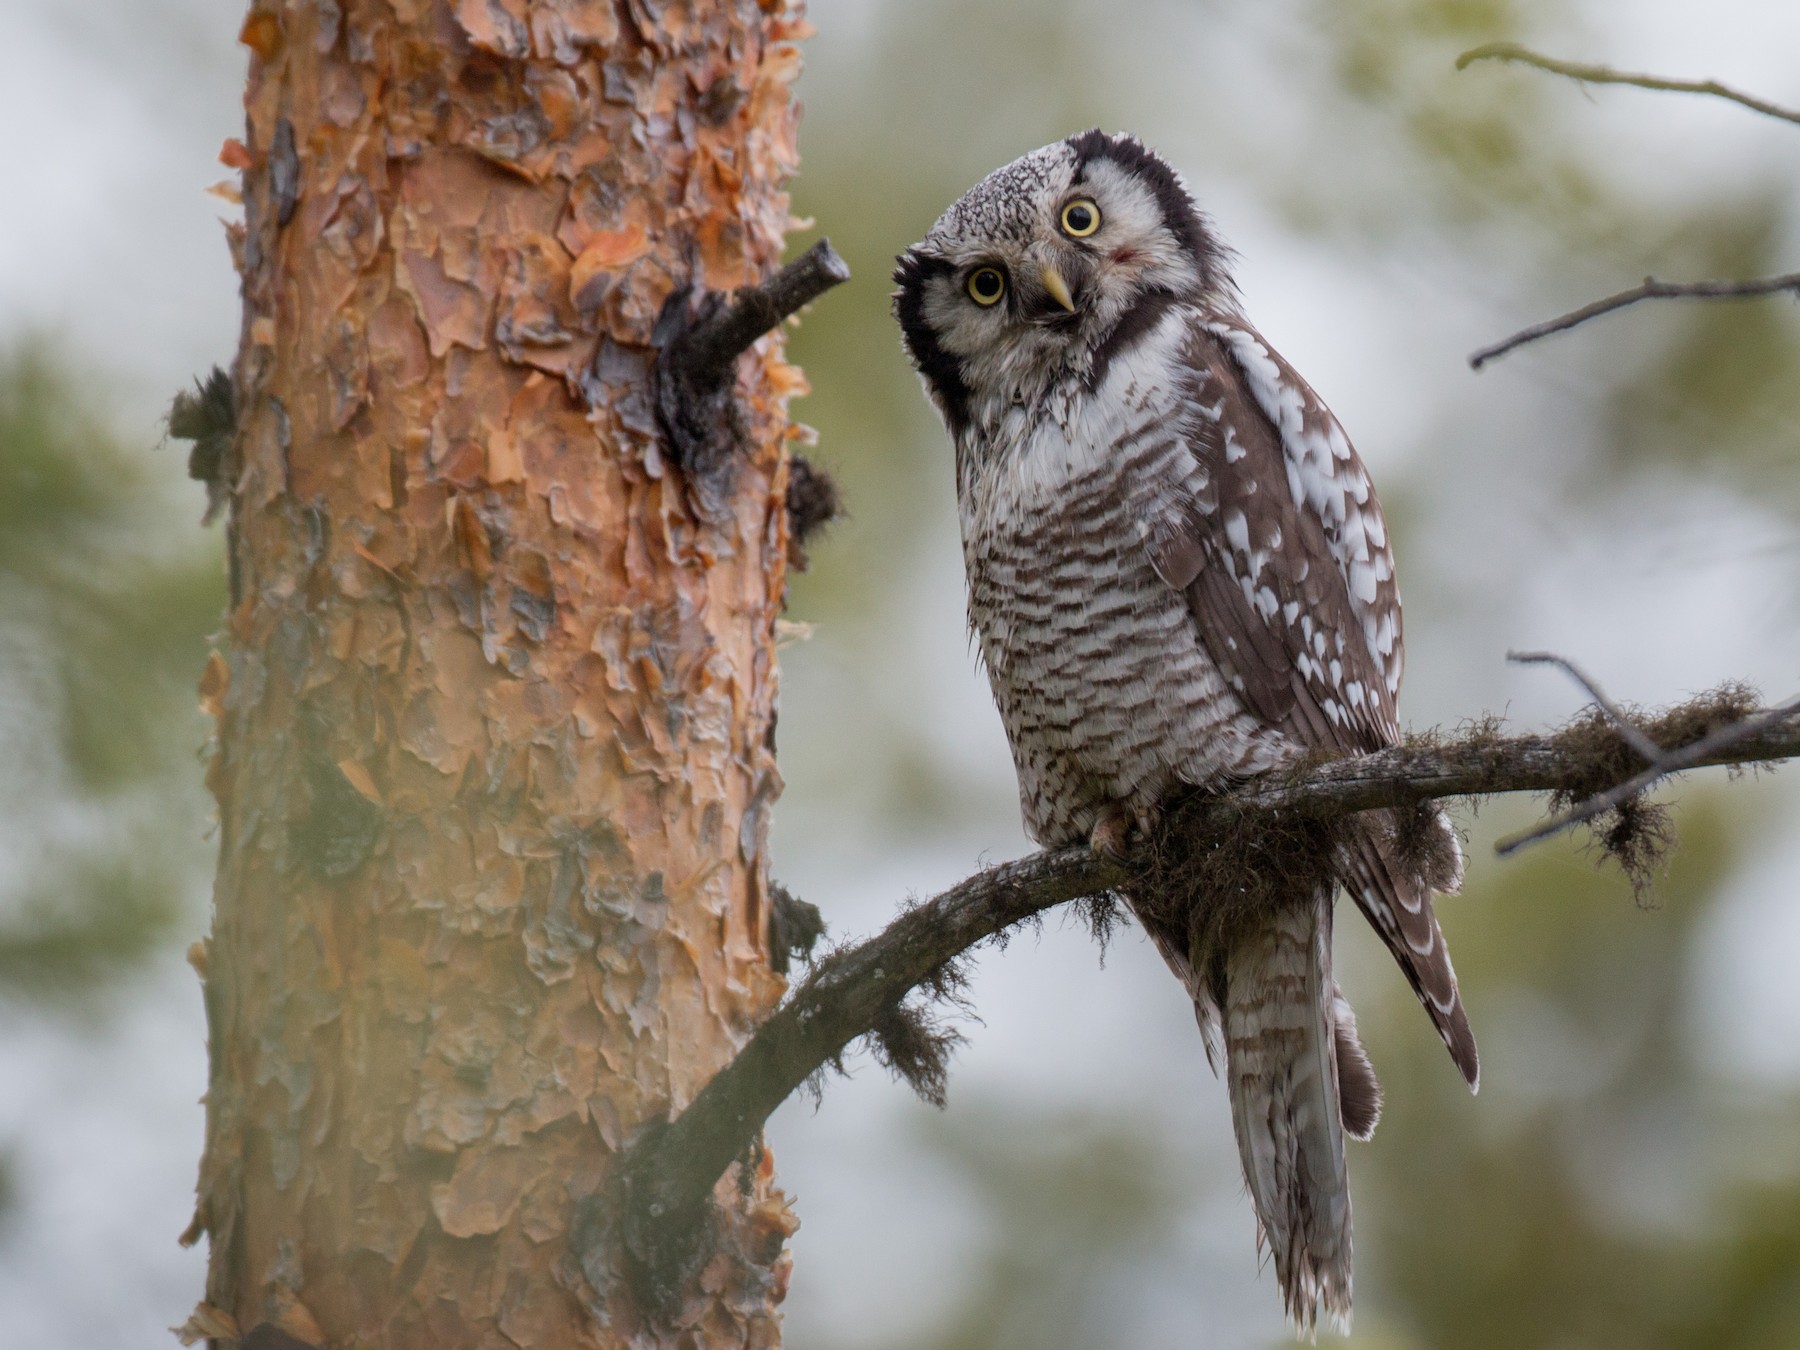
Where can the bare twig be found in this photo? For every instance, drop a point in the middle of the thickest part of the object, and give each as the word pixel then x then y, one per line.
pixel 1591 74
pixel 1706 750
pixel 1634 737
pixel 1652 289
pixel 670 1170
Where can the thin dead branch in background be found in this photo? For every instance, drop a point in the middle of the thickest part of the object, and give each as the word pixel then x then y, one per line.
pixel 1652 289
pixel 1634 737
pixel 1592 74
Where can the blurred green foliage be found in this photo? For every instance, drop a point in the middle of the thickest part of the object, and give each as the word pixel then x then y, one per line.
pixel 1605 1189
pixel 1595 1193
pixel 1073 1201
pixel 1490 145
pixel 1729 366
pixel 104 613
pixel 1502 156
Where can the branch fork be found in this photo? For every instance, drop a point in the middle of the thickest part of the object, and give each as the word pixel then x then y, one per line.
pixel 1658 762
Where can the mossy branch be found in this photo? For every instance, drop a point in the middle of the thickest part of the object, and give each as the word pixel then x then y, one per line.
pixel 858 991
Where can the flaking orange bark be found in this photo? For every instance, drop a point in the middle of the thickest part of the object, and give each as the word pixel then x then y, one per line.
pixel 494 743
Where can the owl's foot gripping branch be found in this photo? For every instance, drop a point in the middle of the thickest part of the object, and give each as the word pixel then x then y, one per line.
pixel 1595 770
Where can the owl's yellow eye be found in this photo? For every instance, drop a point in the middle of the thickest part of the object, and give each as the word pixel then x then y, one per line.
pixel 1080 218
pixel 986 285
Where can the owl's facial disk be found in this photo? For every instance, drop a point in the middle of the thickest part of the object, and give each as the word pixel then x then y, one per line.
pixel 1076 257
pixel 1033 267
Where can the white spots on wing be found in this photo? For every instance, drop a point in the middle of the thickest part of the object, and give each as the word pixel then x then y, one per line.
pixel 1247 563
pixel 1237 531
pixel 1382 630
pixel 1321 467
pixel 1296 486
pixel 1290 611
pixel 1353 545
pixel 1234 448
pixel 1325 478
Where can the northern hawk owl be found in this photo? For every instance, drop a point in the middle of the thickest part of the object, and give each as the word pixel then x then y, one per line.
pixel 1179 574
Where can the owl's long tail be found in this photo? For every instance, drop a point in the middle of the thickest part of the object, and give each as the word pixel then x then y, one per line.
pixel 1396 898
pixel 1299 1081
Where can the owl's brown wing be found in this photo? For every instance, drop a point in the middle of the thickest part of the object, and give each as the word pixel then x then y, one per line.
pixel 1280 548
pixel 1288 604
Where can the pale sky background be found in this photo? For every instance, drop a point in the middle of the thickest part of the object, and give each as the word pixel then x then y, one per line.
pixel 108 244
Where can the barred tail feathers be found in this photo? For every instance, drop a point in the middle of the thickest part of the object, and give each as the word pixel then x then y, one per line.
pixel 1395 897
pixel 1283 1050
pixel 1359 1092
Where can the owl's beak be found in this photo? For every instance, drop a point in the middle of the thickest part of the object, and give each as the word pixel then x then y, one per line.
pixel 1058 288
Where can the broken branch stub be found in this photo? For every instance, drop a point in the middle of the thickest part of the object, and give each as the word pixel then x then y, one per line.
pixel 696 363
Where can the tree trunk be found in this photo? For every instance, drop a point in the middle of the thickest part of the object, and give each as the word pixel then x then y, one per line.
pixel 495 705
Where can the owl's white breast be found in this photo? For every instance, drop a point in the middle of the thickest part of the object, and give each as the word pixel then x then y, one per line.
pixel 1024 460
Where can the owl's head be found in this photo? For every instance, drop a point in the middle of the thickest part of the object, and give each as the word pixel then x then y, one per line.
pixel 1030 271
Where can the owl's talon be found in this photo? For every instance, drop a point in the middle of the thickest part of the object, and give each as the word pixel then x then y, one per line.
pixel 1111 835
